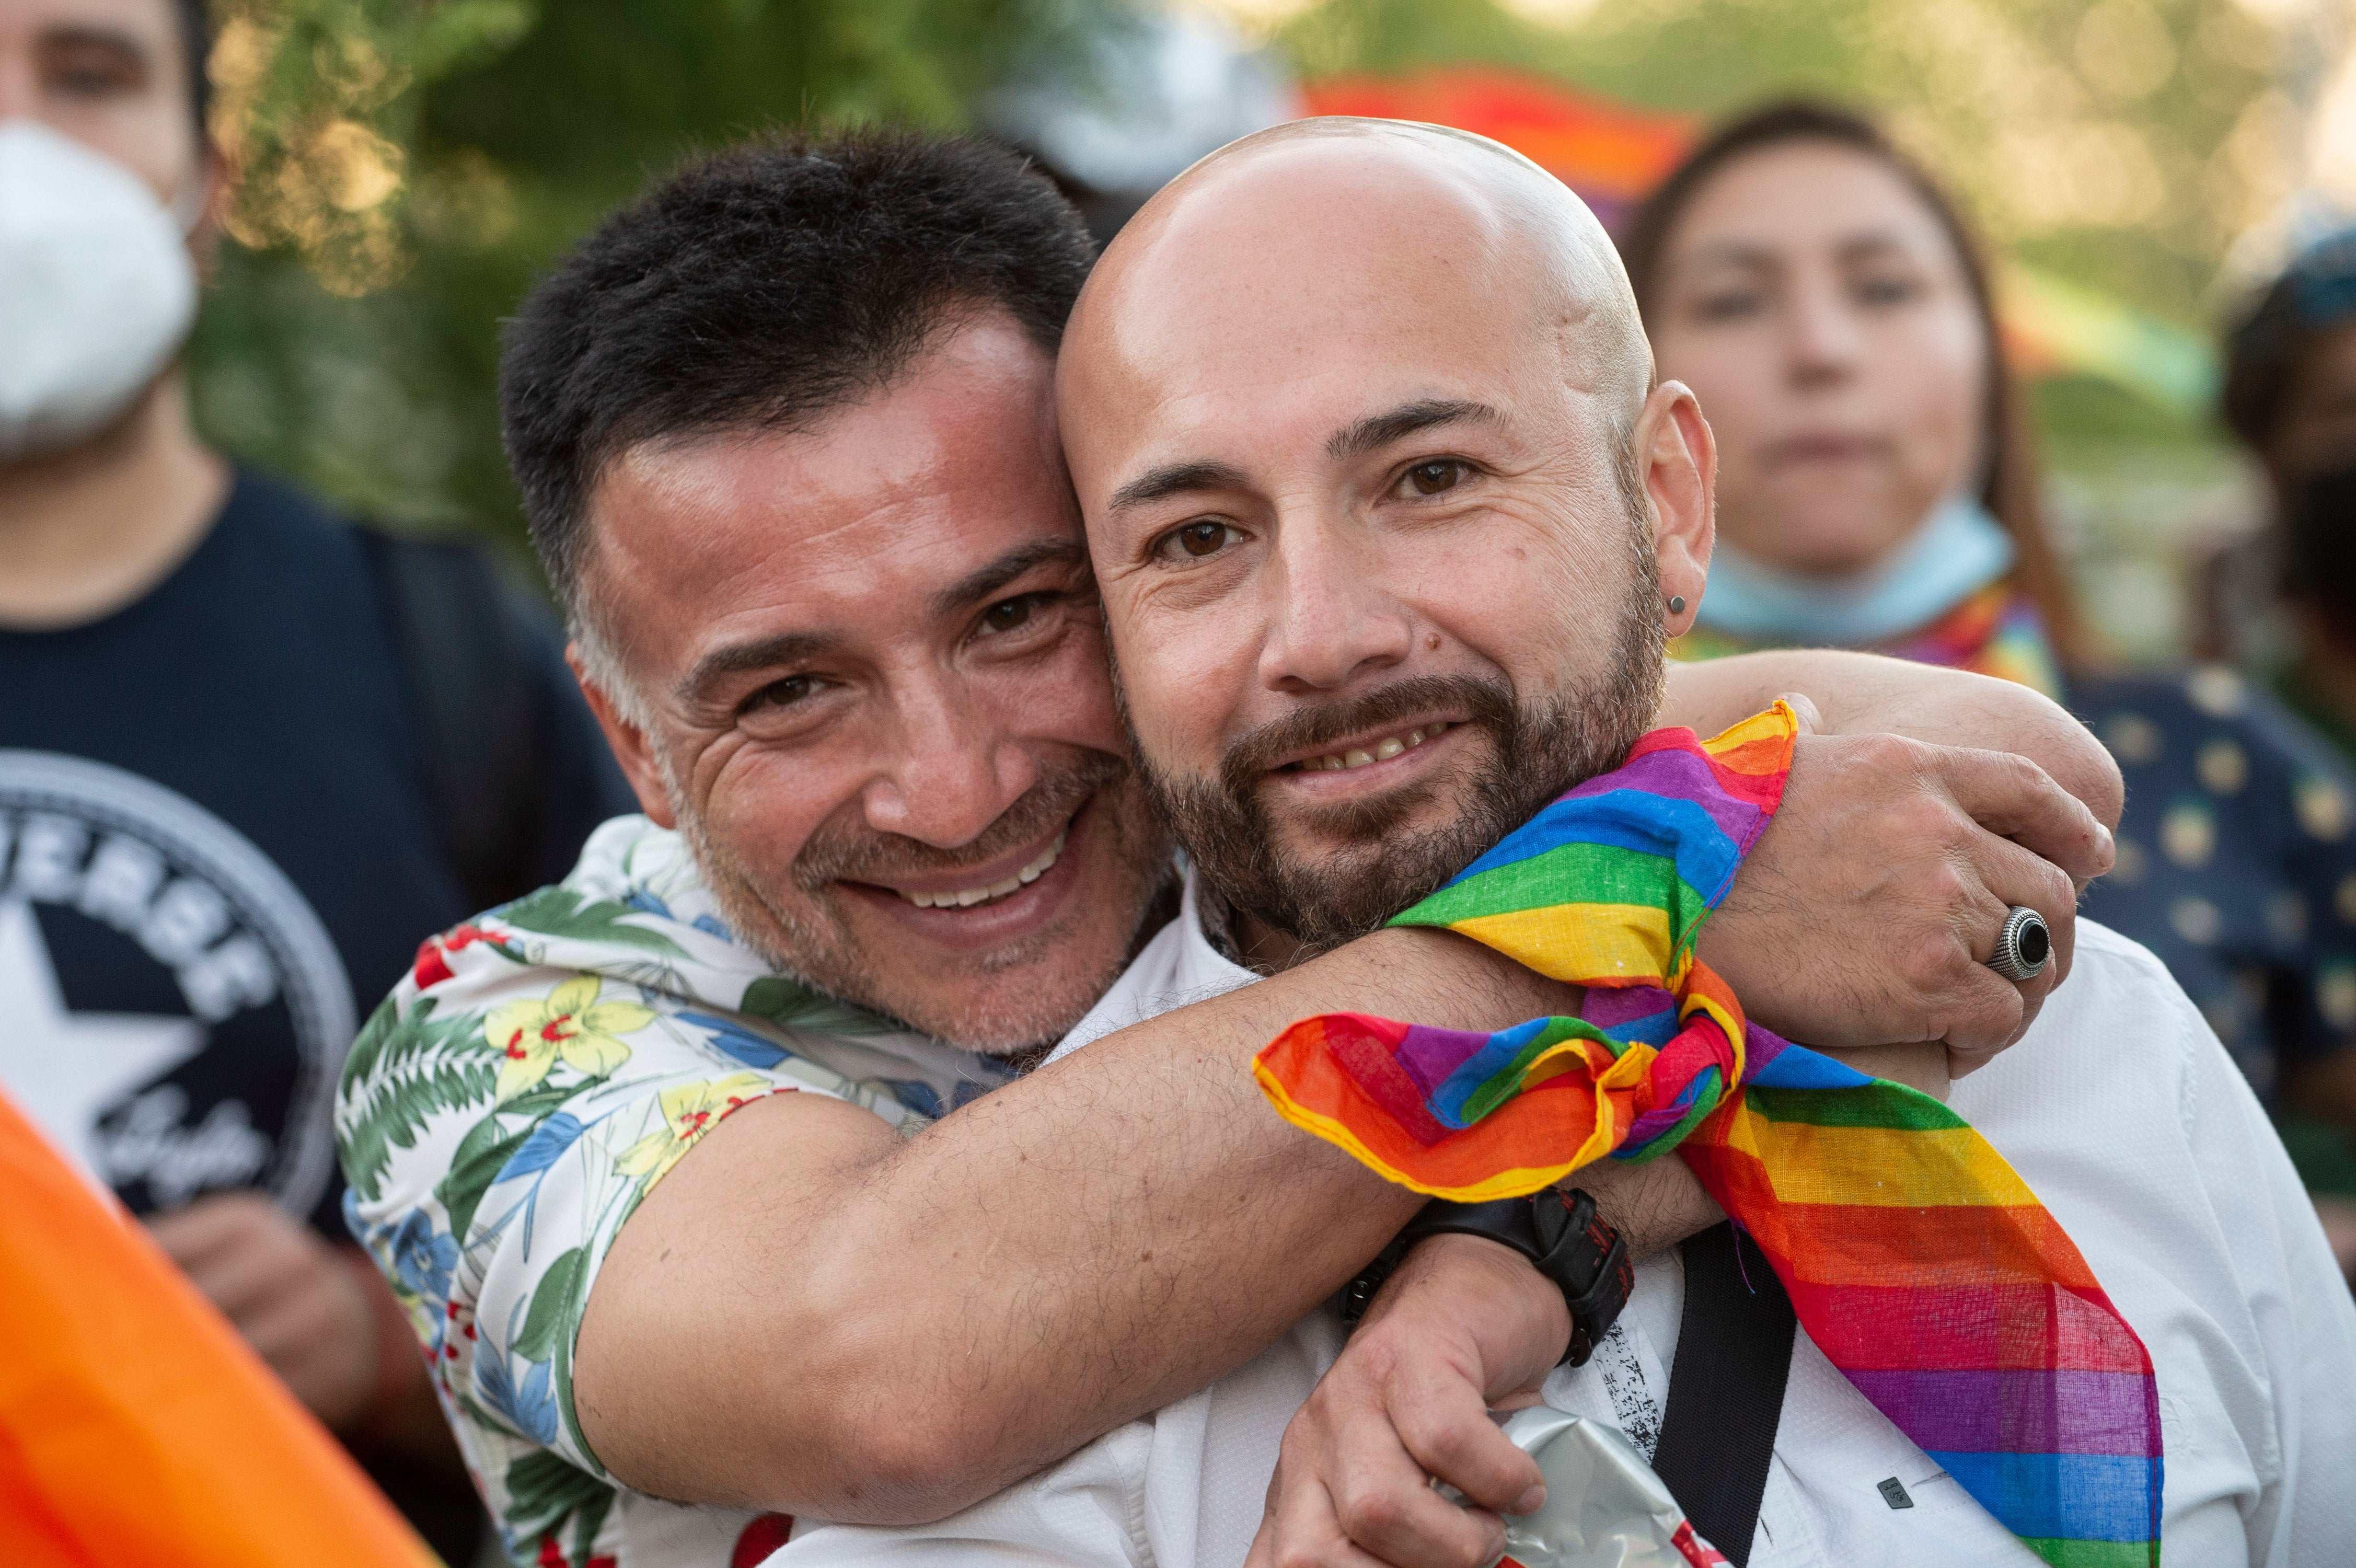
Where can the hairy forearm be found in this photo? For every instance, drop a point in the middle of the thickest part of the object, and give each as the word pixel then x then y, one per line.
pixel 1867 694
pixel 1111 1233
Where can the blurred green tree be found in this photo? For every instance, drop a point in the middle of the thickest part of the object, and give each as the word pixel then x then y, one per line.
pixel 408 167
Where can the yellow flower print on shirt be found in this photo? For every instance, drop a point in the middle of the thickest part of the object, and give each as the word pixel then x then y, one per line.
pixel 689 1113
pixel 569 1021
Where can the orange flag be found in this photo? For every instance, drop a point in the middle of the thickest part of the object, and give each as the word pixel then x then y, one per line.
pixel 135 1426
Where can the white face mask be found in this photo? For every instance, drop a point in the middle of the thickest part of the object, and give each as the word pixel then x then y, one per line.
pixel 96 291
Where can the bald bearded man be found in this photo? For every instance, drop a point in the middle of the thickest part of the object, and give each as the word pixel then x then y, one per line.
pixel 1375 475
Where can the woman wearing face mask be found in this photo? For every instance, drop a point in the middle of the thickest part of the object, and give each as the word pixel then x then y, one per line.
pixel 1827 305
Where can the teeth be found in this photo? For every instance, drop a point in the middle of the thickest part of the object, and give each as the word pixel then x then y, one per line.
pixel 1384 749
pixel 965 898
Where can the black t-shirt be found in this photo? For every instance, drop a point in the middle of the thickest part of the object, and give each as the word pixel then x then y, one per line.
pixel 221 852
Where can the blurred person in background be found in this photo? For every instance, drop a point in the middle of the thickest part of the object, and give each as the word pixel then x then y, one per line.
pixel 2286 599
pixel 1829 306
pixel 2290 396
pixel 1151 92
pixel 229 723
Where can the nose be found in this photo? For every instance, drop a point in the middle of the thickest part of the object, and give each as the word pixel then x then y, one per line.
pixel 1332 619
pixel 953 768
pixel 1822 334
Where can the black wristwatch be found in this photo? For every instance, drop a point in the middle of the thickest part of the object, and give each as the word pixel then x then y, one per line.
pixel 1557 1231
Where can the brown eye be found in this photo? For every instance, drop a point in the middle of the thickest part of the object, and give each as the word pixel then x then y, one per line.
pixel 1008 614
pixel 1430 479
pixel 783 693
pixel 1202 538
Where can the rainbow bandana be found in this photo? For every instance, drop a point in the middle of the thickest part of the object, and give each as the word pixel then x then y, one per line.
pixel 1994 631
pixel 1920 1264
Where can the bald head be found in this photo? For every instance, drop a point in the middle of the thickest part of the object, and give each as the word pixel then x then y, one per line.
pixel 1382 503
pixel 1282 235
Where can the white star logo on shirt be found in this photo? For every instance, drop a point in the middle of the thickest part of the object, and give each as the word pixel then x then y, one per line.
pixel 64 1068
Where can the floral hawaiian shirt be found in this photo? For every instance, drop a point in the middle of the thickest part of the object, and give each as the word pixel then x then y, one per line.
pixel 513 1100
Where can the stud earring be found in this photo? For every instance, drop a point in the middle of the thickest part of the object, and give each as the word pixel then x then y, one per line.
pixel 1677 604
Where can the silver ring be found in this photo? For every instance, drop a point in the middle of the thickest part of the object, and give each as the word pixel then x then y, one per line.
pixel 2023 945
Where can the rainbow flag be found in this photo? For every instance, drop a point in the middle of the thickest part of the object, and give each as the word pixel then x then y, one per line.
pixel 135 1426
pixel 1611 153
pixel 1917 1261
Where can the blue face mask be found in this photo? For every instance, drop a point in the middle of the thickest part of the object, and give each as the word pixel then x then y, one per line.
pixel 1958 550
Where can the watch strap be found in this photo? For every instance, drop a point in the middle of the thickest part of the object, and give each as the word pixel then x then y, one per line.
pixel 1564 1239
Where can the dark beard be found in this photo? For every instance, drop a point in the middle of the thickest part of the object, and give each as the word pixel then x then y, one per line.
pixel 1360 864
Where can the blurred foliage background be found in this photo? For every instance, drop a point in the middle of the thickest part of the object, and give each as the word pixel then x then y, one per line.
pixel 410 164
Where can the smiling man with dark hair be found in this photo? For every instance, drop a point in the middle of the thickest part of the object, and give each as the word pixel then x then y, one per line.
pixel 710 1174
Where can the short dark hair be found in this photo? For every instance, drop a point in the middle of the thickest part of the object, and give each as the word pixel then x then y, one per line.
pixel 763 287
pixel 2265 349
pixel 196 45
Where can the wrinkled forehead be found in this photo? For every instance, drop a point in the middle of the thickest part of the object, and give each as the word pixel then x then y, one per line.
pixel 1397 263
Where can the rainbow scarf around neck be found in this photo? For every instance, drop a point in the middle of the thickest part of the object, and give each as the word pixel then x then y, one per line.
pixel 1917 1260
pixel 1995 631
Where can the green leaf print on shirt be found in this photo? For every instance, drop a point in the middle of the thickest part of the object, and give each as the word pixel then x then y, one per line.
pixel 401 1072
pixel 781 1000
pixel 560 912
pixel 481 1156
pixel 542 1489
pixel 552 1310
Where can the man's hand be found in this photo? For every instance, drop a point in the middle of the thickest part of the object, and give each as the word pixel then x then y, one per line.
pixel 1464 1324
pixel 298 1303
pixel 1868 908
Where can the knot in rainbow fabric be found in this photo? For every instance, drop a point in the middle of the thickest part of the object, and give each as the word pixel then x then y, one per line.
pixel 1917 1260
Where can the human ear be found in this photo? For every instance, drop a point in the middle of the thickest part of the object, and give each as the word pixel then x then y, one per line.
pixel 1677 456
pixel 632 747
pixel 215 180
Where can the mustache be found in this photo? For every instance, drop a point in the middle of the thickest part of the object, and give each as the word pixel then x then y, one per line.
pixel 844 849
pixel 1487 703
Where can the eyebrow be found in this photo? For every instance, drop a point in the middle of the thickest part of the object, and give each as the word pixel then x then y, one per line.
pixel 1368 435
pixel 1175 479
pixel 1378 431
pixel 1728 252
pixel 760 653
pixel 984 581
pixel 1744 253
pixel 85 34
pixel 1870 244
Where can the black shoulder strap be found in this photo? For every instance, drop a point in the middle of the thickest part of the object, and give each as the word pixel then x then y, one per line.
pixel 479 716
pixel 1725 1391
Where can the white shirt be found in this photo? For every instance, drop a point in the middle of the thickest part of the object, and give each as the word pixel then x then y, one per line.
pixel 2119 1108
